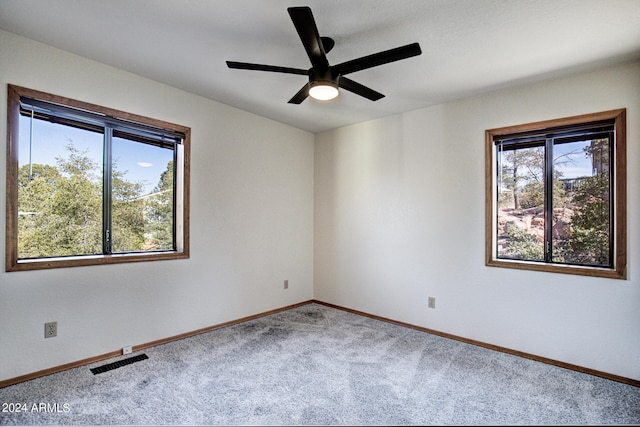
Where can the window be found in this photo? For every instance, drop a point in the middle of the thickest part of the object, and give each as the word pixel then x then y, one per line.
pixel 89 185
pixel 556 196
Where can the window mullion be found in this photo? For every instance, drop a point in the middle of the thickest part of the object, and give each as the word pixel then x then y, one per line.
pixel 174 200
pixel 548 200
pixel 613 194
pixel 107 190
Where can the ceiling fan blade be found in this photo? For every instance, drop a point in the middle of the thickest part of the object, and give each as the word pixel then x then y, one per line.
pixel 308 31
pixel 301 95
pixel 262 67
pixel 359 89
pixel 379 58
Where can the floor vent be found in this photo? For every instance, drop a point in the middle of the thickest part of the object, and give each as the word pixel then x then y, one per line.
pixel 118 364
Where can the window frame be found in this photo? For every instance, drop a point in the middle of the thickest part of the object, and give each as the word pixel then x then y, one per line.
pixel 619 201
pixel 12 262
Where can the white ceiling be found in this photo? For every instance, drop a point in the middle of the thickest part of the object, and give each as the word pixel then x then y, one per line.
pixel 468 46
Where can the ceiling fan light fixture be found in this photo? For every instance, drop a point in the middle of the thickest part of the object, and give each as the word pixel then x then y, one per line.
pixel 323 90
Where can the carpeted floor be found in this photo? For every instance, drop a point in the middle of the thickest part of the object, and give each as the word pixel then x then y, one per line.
pixel 316 365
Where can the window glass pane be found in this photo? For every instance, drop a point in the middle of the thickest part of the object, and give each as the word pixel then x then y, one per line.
pixel 142 196
pixel 59 190
pixel 520 231
pixel 581 202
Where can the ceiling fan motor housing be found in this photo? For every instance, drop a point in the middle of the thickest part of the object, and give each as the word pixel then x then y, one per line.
pixel 328 77
pixel 323 85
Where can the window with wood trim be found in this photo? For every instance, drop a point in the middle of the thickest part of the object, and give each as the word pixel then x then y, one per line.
pixel 90 185
pixel 556 195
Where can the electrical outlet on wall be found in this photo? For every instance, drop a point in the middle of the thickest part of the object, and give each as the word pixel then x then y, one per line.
pixel 432 302
pixel 50 329
pixel 286 284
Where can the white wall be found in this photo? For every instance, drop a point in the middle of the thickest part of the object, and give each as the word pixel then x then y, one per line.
pixel 399 217
pixel 251 225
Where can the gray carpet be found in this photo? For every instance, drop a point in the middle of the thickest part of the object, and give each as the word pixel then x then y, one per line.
pixel 315 365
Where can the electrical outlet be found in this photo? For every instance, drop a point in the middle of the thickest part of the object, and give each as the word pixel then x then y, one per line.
pixel 50 329
pixel 432 302
pixel 286 284
pixel 126 350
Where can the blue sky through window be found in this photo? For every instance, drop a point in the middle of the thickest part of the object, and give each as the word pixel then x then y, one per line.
pixel 570 158
pixel 140 162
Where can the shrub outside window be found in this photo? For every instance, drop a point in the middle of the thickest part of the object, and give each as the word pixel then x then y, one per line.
pixel 556 195
pixel 91 185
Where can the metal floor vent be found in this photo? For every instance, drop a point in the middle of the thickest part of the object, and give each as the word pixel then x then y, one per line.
pixel 118 364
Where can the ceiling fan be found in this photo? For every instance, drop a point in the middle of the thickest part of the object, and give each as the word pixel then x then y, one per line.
pixel 325 79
